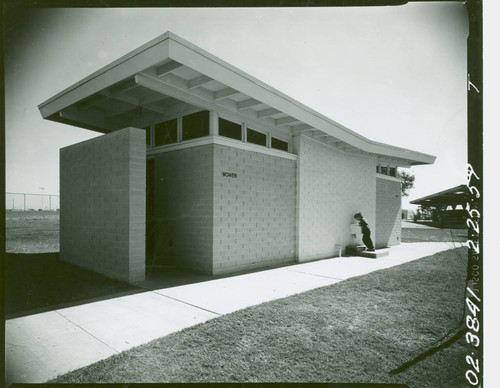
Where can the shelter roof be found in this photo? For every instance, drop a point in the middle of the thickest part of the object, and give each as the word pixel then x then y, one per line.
pixel 167 74
pixel 454 196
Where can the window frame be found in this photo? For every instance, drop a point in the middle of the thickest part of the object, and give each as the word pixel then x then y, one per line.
pixel 181 119
pixel 266 134
pixel 282 140
pixel 232 122
pixel 153 126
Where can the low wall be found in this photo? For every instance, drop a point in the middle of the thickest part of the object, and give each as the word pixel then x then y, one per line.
pixel 103 188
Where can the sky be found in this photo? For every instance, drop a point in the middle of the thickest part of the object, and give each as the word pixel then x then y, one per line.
pixel 396 75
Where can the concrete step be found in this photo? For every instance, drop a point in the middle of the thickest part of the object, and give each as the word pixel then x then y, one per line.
pixel 354 250
pixel 376 254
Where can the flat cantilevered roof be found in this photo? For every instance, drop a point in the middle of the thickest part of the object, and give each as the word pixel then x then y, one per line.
pixel 454 196
pixel 169 73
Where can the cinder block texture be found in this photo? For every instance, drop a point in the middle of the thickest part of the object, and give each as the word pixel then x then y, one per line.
pixel 224 209
pixel 254 209
pixel 388 213
pixel 331 186
pixel 183 209
pixel 103 196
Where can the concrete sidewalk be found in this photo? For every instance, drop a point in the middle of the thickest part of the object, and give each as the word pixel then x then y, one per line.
pixel 42 346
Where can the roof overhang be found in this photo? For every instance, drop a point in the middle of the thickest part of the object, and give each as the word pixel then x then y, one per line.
pixel 454 196
pixel 169 74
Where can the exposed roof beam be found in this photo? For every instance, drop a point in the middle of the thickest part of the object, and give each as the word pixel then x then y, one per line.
pixel 135 102
pixel 94 120
pixel 91 101
pixel 286 120
pixel 198 81
pixel 170 109
pixel 123 109
pixel 302 128
pixel 164 104
pixel 167 68
pixel 132 114
pixel 267 113
pixel 108 93
pixel 224 93
pixel 179 107
pixel 247 103
pixel 177 88
pixel 333 140
pixel 317 136
pixel 157 108
pixel 120 88
pixel 152 98
pixel 138 118
pixel 157 51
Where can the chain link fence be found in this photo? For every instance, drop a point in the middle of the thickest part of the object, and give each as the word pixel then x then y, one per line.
pixel 27 201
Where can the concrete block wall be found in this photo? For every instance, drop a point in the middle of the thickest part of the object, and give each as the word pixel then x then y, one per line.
pixel 102 188
pixel 331 187
pixel 388 212
pixel 183 209
pixel 254 209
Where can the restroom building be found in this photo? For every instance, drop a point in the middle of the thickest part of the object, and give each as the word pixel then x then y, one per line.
pixel 203 166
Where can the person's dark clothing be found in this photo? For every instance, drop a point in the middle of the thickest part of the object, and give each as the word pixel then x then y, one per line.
pixel 365 229
pixel 364 226
pixel 368 241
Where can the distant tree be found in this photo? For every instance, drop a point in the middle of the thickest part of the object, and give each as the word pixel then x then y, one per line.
pixel 407 180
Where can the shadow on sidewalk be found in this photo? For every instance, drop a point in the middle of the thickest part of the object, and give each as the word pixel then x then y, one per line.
pixel 40 282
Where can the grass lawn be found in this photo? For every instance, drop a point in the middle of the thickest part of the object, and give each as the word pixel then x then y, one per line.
pixel 32 231
pixel 427 235
pixel 354 331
